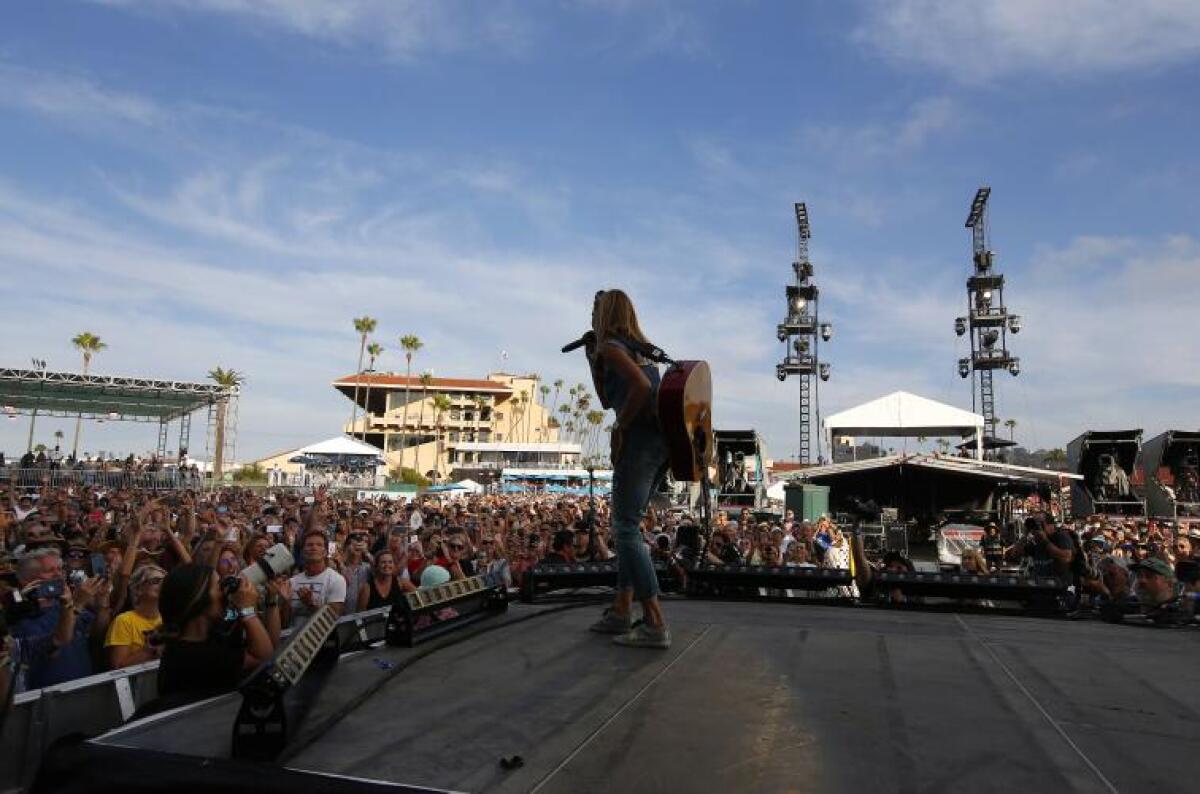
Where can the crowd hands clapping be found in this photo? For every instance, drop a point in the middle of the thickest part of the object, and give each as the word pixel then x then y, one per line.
pixel 95 578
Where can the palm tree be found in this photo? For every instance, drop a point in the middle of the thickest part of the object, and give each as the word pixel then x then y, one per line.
pixel 411 345
pixel 594 420
pixel 58 437
pixel 364 325
pixel 563 423
pixel 441 404
pixel 374 351
pixel 532 401
pixel 558 384
pixel 89 344
pixel 426 381
pixel 231 380
pixel 1011 424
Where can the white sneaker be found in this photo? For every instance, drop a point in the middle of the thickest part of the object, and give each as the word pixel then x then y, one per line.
pixel 643 636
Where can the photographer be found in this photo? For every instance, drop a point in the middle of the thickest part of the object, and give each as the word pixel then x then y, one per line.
pixel 1048 549
pixel 210 634
pixel 44 606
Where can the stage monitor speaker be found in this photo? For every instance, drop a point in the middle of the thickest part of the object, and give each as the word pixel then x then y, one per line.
pixel 433 611
pixel 997 586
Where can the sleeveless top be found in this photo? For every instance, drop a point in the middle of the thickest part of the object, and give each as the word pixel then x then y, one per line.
pixel 375 599
pixel 617 389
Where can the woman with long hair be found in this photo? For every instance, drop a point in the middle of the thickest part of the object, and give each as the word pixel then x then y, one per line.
pixel 627 382
pixel 383 587
pixel 209 639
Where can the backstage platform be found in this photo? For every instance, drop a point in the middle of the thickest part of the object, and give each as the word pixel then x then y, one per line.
pixel 752 697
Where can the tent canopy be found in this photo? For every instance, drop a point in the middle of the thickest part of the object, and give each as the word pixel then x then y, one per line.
pixel 340 445
pixel 903 414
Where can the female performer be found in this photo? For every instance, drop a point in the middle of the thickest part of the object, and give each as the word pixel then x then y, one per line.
pixel 627 382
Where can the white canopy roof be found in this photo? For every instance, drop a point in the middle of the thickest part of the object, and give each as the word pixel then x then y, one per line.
pixel 903 414
pixel 340 445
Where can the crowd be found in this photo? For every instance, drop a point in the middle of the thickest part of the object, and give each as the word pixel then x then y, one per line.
pixel 95 578
pixel 34 467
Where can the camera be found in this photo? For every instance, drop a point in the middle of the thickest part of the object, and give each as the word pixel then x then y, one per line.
pixel 275 561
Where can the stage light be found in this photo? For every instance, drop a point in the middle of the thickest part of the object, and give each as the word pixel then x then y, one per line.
pixel 986 297
pixel 798 304
pixel 1014 323
pixel 113 416
pixel 800 345
pixel 826 332
pixel 1015 367
pixel 781 334
pixel 780 372
pixel 960 325
pixel 964 367
pixel 990 338
pixel 824 370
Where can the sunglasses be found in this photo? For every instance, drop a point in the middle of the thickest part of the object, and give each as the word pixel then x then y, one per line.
pixel 457 546
pixel 76 555
pixel 357 537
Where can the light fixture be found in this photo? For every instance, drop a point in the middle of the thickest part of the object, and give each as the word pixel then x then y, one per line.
pixel 960 325
pixel 990 338
pixel 1014 323
pixel 798 304
pixel 964 367
pixel 781 334
pixel 113 416
pixel 780 372
pixel 826 332
pixel 1015 367
pixel 824 371
pixel 800 345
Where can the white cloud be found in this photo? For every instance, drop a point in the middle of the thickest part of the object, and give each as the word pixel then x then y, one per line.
pixel 403 29
pixel 74 99
pixel 985 39
pixel 921 122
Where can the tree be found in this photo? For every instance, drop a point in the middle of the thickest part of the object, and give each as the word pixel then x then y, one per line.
pixel 426 381
pixel 1011 424
pixel 58 437
pixel 411 344
pixel 89 344
pixel 558 384
pixel 594 419
pixel 544 390
pixel 364 326
pixel 230 380
pixel 1056 458
pixel 374 350
pixel 441 404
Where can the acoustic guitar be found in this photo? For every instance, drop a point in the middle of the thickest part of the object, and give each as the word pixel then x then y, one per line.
pixel 685 418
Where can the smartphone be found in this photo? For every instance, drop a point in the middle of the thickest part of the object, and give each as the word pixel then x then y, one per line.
pixel 332 547
pixel 412 539
pixel 222 509
pixel 50 590
pixel 99 564
pixel 274 529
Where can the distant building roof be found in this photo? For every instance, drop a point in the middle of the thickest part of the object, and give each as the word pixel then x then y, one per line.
pixel 400 381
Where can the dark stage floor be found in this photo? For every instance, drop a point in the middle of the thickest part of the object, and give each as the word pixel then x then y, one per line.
pixel 759 698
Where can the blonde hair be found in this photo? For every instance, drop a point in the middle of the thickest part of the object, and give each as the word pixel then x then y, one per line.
pixel 615 316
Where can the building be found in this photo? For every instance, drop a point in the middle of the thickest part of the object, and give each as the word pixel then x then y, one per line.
pixel 486 421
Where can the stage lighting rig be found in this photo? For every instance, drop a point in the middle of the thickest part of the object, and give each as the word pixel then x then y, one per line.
pixel 801 333
pixel 987 322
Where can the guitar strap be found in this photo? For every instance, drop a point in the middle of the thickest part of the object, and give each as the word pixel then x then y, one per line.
pixel 648 350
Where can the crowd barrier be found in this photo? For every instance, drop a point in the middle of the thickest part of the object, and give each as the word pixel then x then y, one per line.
pixel 55 478
pixel 102 702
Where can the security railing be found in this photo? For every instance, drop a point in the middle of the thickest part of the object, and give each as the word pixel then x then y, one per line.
pixel 106 478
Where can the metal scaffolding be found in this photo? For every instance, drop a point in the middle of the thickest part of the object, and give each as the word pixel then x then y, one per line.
pixel 801 334
pixel 987 321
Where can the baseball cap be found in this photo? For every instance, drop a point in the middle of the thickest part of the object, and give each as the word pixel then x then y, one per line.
pixel 1154 565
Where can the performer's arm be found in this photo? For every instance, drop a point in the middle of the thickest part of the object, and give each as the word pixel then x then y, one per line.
pixel 639 384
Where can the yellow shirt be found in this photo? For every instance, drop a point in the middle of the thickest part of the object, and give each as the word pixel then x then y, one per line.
pixel 130 628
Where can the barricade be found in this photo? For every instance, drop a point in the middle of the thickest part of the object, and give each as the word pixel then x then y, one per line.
pixel 102 702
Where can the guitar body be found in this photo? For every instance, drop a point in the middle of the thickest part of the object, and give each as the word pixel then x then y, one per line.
pixel 685 418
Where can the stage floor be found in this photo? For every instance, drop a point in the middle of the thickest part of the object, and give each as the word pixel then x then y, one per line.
pixel 756 697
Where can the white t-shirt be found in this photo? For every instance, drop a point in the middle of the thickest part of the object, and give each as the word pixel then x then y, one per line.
pixel 328 586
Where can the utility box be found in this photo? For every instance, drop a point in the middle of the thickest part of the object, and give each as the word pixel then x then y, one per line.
pixel 809 502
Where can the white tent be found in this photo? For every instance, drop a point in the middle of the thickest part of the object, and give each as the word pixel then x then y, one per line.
pixel 471 486
pixel 903 414
pixel 340 445
pixel 775 492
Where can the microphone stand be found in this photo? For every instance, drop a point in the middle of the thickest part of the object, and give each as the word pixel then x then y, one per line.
pixel 591 470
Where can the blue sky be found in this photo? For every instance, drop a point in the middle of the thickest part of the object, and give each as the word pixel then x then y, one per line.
pixel 229 182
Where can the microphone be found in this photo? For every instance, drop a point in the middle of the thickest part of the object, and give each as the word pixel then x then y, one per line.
pixel 587 338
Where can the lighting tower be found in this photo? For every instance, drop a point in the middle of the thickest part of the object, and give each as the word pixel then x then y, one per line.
pixel 987 320
pixel 801 332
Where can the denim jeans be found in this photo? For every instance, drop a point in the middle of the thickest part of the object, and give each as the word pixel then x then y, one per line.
pixel 637 474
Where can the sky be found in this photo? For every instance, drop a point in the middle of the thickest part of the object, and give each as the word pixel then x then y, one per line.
pixel 229 182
